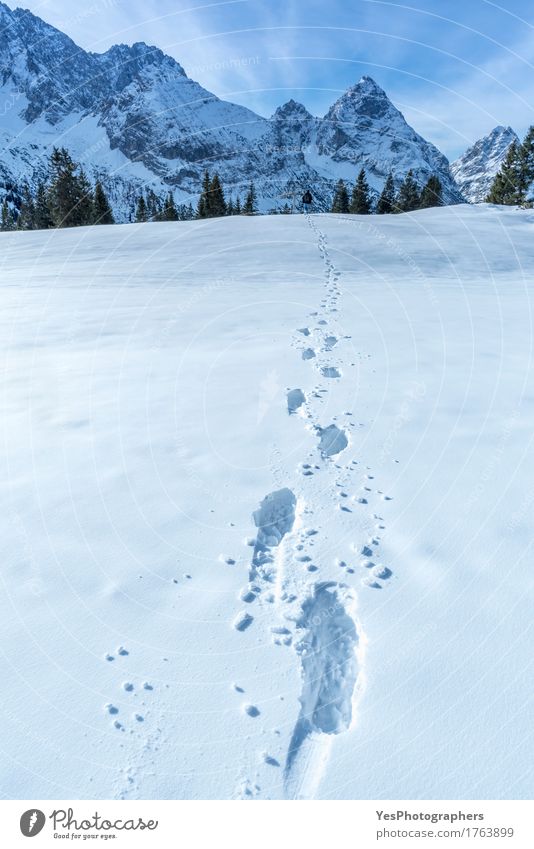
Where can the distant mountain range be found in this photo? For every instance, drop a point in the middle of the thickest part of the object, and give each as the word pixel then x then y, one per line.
pixel 134 119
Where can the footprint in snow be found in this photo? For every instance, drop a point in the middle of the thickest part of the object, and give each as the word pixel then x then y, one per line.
pixel 308 354
pixel 295 400
pixel 332 440
pixel 330 371
pixel 243 621
pixel 382 572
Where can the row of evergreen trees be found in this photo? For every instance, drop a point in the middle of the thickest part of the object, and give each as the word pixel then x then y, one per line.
pixel 213 204
pixel 407 199
pixel 512 183
pixel 150 207
pixel 67 199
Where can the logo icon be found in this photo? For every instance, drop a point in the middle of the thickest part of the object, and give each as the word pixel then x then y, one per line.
pixel 32 822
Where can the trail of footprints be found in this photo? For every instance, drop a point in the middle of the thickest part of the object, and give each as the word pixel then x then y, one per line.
pixel 317 617
pixel 129 712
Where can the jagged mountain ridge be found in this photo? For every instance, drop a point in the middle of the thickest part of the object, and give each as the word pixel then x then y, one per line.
pixel 133 118
pixel 475 170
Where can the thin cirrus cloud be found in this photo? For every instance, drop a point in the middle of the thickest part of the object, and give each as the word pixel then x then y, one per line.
pixel 456 69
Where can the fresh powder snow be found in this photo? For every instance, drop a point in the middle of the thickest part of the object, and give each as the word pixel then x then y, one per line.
pixel 267 508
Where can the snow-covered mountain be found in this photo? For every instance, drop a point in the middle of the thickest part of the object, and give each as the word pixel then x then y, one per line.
pixel 475 170
pixel 133 118
pixel 363 128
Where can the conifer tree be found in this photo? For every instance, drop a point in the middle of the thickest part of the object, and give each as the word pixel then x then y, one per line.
pixel 26 219
pixel 506 187
pixel 250 207
pixel 141 214
pixel 217 203
pixel 8 220
pixel 67 195
pixel 153 206
pixel 102 212
pixel 169 211
pixel 230 207
pixel 360 202
pixel 83 212
pixel 408 197
pixel 526 167
pixel 237 207
pixel 432 194
pixel 386 201
pixel 341 198
pixel 43 216
pixel 203 208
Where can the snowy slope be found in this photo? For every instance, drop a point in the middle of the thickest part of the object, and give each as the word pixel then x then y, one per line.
pixel 266 499
pixel 133 117
pixel 475 170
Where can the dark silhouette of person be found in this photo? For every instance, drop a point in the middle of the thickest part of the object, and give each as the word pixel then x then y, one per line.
pixel 307 200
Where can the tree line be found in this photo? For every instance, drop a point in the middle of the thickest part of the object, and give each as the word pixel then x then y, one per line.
pixel 513 181
pixel 213 204
pixel 66 198
pixel 408 198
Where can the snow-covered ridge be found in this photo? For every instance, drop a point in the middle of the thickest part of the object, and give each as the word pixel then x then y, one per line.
pixel 475 170
pixel 133 117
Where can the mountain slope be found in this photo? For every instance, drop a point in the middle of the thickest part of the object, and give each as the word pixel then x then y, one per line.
pixel 475 170
pixel 133 117
pixel 364 129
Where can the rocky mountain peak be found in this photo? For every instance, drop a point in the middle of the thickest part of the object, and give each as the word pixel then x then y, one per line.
pixel 475 170
pixel 292 109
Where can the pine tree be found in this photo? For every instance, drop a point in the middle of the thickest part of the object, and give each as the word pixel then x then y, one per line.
pixel 217 203
pixel 83 213
pixel 408 198
pixel 153 206
pixel 386 201
pixel 432 194
pixel 237 207
pixel 43 216
pixel 8 220
pixel 169 211
pixel 141 214
pixel 506 187
pixel 230 207
pixel 250 207
pixel 341 198
pixel 26 219
pixel 69 195
pixel 102 212
pixel 360 202
pixel 526 167
pixel 203 208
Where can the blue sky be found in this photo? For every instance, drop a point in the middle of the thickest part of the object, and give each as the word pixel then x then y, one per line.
pixel 455 68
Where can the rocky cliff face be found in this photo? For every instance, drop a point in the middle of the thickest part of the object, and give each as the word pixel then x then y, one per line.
pixel 133 118
pixel 475 170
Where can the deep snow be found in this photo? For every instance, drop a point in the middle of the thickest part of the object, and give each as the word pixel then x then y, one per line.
pixel 215 586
